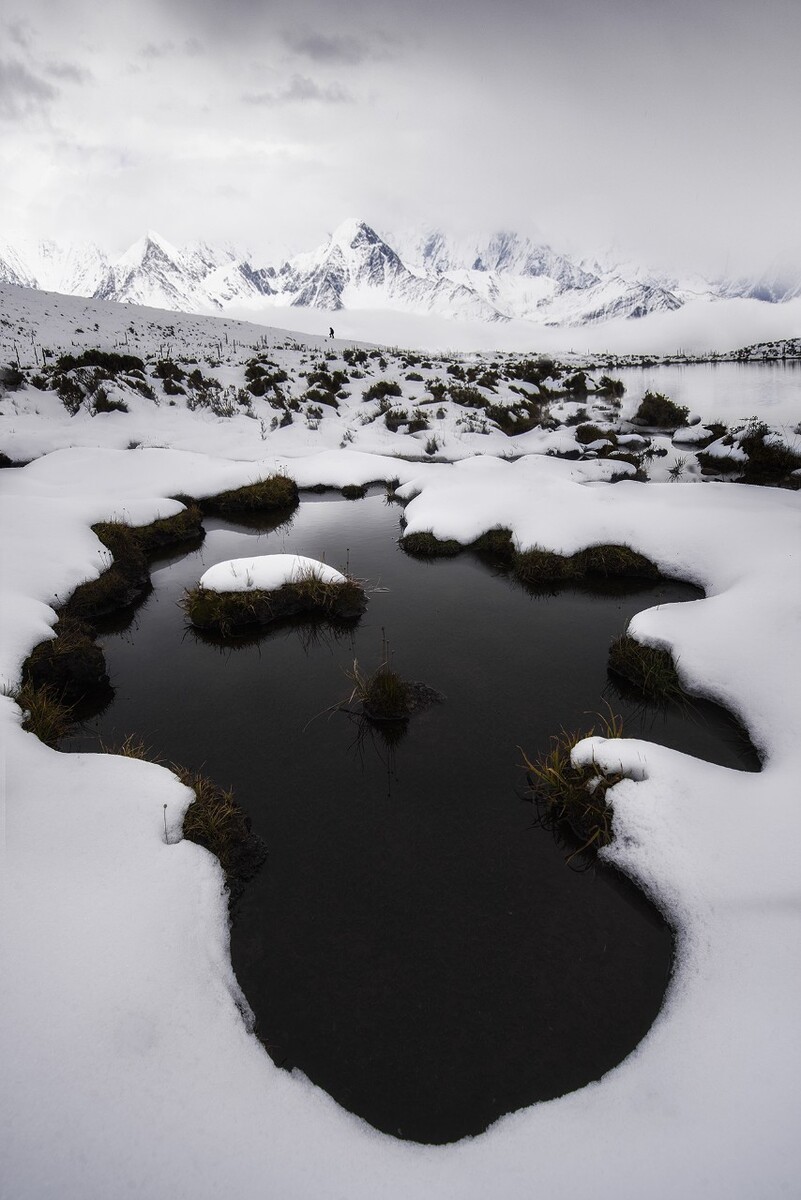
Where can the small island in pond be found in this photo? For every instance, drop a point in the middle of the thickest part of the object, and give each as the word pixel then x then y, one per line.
pixel 244 592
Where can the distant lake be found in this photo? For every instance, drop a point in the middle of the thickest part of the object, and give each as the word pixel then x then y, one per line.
pixel 728 392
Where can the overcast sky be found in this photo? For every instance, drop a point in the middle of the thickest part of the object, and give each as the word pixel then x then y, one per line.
pixel 667 128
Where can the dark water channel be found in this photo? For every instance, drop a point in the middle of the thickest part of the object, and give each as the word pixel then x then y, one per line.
pixel 414 943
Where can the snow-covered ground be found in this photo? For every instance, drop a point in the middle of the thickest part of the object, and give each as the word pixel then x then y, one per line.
pixel 129 1068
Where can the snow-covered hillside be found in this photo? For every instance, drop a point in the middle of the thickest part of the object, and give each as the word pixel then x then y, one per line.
pixel 180 380
pixel 496 279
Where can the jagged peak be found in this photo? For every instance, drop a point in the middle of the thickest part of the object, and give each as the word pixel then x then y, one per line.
pixel 352 230
pixel 151 240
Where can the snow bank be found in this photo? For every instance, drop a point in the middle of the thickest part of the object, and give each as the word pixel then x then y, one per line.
pixel 266 573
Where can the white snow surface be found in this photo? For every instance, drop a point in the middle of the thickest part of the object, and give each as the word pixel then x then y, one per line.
pixel 129 1065
pixel 266 573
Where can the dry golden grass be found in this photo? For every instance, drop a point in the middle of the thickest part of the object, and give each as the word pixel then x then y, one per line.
pixel 573 798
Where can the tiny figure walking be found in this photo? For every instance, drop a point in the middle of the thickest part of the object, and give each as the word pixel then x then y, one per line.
pixel 331 331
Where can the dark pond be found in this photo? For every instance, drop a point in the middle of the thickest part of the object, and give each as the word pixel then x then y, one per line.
pixel 414 943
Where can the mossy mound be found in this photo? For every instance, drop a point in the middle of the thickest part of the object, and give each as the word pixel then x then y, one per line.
pixel 616 562
pixel 274 492
pixel 71 665
pixel 225 613
pixel 70 669
pixel 426 545
pixel 495 544
pixel 537 566
pixel 185 526
pixel 127 580
pixel 588 433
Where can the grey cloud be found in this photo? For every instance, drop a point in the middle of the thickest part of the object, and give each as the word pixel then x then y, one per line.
pixel 22 92
pixel 333 32
pixel 68 72
pixel 157 50
pixel 190 48
pixel 300 90
pixel 323 48
pixel 19 33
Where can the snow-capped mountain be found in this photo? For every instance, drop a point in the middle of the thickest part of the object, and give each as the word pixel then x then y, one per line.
pixel 501 253
pixel 358 269
pixel 75 270
pixel 773 287
pixel 495 278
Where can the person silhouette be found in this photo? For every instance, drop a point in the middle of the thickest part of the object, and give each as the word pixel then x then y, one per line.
pixel 331 331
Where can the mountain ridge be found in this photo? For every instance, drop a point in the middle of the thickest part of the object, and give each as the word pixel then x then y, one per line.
pixel 495 278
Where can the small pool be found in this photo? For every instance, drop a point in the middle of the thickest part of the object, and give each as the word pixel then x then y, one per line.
pixel 414 944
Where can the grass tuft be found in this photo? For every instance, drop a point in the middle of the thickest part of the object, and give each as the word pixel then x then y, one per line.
pixel 46 714
pixel 537 566
pixel 383 695
pixel 71 664
pixel 572 800
pixel 615 562
pixel 660 412
pixel 650 669
pixel 214 820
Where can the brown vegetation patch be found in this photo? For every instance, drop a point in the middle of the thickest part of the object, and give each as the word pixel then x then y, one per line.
pixel 274 492
pixel 225 613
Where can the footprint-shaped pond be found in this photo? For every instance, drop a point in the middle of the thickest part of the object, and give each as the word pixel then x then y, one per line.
pixel 414 943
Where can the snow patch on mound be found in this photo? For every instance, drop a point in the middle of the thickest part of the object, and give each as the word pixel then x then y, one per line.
pixel 266 573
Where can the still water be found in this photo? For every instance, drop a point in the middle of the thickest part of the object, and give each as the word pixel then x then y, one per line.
pixel 414 943
pixel 727 392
